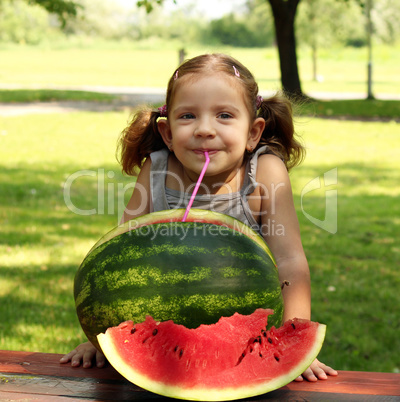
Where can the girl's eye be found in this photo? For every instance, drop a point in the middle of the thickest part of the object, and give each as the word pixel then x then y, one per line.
pixel 225 116
pixel 187 116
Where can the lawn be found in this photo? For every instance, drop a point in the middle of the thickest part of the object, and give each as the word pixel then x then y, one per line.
pixel 354 271
pixel 42 241
pixel 149 64
pixel 355 276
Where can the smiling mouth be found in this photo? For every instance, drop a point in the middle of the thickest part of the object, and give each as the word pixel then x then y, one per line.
pixel 201 151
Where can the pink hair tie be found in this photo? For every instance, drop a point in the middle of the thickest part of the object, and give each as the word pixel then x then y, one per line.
pixel 236 71
pixel 259 101
pixel 163 111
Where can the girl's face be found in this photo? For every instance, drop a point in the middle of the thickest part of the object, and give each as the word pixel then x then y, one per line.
pixel 209 113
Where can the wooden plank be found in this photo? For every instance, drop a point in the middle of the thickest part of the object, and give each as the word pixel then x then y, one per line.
pixel 16 396
pixel 63 389
pixel 31 376
pixel 83 388
pixel 354 382
pixel 48 364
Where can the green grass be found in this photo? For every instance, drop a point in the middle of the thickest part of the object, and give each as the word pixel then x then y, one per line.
pixel 353 108
pixel 151 64
pixel 359 108
pixel 355 271
pixel 355 276
pixel 41 240
pixel 50 95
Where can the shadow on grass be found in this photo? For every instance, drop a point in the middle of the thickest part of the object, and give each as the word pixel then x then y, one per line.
pixel 37 208
pixel 354 272
pixel 32 282
pixel 37 308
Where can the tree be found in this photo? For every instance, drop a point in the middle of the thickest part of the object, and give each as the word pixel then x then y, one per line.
pixel 148 4
pixel 64 9
pixel 284 12
pixel 243 32
pixel 322 23
pixel 21 22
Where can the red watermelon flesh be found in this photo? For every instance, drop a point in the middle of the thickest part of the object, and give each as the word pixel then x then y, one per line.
pixel 234 358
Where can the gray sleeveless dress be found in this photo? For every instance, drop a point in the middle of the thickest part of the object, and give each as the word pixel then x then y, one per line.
pixel 234 204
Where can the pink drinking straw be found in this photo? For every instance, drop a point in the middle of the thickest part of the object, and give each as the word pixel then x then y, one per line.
pixel 203 171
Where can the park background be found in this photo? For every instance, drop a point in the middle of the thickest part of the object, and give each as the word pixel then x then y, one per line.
pixel 112 54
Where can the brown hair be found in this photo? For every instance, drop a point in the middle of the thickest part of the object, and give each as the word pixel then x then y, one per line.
pixel 279 133
pixel 142 137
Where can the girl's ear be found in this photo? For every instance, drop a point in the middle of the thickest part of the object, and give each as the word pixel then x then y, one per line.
pixel 255 133
pixel 165 131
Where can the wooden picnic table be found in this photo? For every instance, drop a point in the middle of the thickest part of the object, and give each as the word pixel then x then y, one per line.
pixel 29 376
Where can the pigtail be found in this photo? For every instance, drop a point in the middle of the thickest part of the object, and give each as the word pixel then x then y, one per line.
pixel 139 139
pixel 279 133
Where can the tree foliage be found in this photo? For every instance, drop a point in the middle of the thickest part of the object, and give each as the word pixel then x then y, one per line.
pixel 149 4
pixel 64 9
pixel 29 21
pixel 240 31
pixel 22 23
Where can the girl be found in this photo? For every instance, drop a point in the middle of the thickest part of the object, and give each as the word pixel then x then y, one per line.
pixel 213 106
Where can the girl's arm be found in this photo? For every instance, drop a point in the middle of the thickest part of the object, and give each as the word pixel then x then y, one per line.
pixel 282 234
pixel 139 204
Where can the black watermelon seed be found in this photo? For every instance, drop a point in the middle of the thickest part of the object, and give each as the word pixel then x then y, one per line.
pixel 276 358
pixel 293 326
pixel 269 340
pixel 180 353
pixel 133 330
pixel 176 348
pixel 155 332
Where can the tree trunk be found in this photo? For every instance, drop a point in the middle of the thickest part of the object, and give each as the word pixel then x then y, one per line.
pixel 284 12
pixel 314 61
pixel 314 41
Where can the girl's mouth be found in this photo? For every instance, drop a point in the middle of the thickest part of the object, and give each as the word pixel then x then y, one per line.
pixel 201 151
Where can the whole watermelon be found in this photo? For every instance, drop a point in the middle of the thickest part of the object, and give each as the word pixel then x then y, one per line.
pixel 191 272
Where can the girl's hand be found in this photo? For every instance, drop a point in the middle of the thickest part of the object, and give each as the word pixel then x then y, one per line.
pixel 86 354
pixel 317 371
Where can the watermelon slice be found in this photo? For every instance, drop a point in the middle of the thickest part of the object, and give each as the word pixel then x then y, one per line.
pixel 232 359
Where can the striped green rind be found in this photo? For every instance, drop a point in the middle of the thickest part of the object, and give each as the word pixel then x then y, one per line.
pixel 190 272
pixel 176 215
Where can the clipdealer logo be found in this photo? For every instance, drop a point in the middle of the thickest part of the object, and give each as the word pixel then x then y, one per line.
pixel 328 183
pixel 107 192
pixel 111 195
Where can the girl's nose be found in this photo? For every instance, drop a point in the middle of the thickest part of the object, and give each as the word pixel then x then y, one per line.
pixel 205 129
